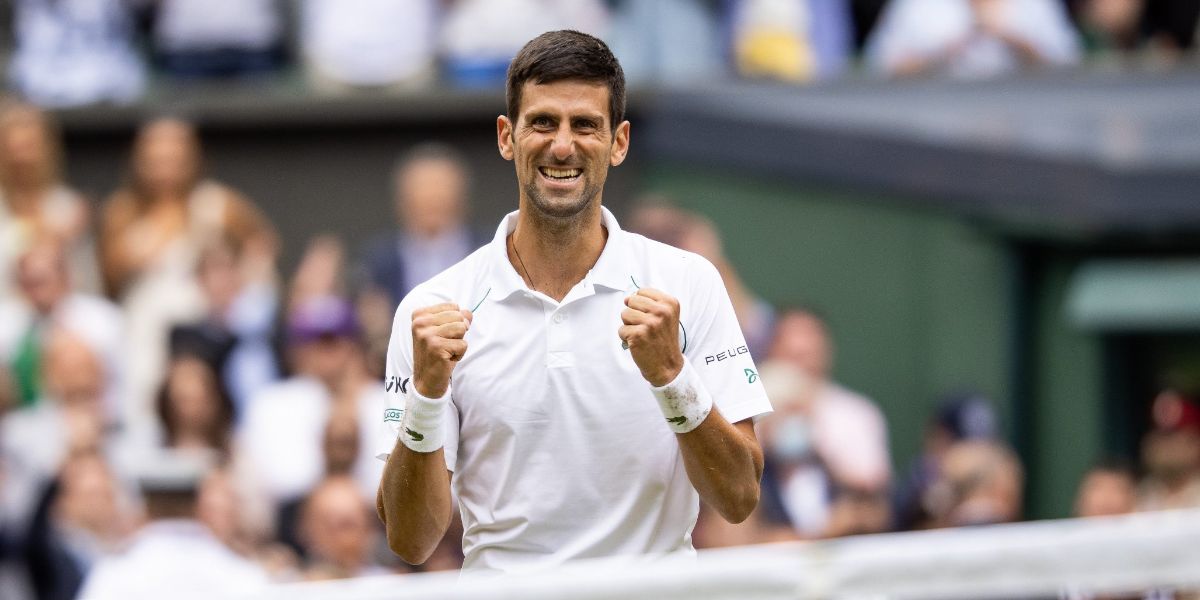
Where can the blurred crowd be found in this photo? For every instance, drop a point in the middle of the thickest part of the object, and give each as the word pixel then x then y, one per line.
pixel 75 52
pixel 166 391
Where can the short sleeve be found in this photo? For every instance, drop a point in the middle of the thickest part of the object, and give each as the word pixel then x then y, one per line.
pixel 716 347
pixel 397 381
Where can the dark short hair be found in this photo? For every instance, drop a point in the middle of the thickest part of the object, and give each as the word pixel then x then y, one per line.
pixel 567 54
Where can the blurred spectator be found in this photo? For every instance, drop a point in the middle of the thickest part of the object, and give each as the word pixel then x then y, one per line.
pixel 658 219
pixel 245 312
pixel 212 38
pixel 430 187
pixel 368 42
pixel 83 517
pixel 73 52
pixel 1171 454
pixel 982 484
pixel 152 233
pixel 430 191
pixel 194 410
pixel 1107 489
pixel 1110 26
pixel 667 41
pixel 795 487
pixel 340 531
pixel 46 301
pixel 791 40
pixel 321 272
pixel 34 201
pixel 285 422
pixel 71 418
pixel 239 516
pixel 959 417
pixel 849 432
pixel 479 37
pixel 975 38
pixel 174 554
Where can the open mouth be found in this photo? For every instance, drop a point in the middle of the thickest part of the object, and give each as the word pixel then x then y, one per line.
pixel 564 175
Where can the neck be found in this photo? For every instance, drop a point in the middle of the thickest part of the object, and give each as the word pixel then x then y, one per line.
pixel 554 255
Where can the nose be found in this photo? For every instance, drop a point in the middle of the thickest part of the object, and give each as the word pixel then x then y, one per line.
pixel 563 145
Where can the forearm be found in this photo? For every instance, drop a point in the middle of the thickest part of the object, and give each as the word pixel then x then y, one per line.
pixel 414 502
pixel 724 463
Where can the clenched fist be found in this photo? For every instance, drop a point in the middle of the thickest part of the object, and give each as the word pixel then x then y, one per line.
pixel 438 344
pixel 651 332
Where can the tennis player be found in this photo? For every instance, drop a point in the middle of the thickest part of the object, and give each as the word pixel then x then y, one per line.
pixel 578 386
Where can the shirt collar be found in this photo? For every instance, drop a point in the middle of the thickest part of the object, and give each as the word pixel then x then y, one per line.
pixel 612 269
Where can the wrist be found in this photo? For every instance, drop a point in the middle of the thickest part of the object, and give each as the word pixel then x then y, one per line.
pixel 430 391
pixel 668 374
pixel 684 401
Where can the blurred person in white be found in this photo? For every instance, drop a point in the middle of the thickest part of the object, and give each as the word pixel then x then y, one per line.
pixel 791 40
pixel 70 417
pixel 658 218
pixel 340 532
pixel 153 230
pixel 960 416
pixel 47 301
pixel 212 38
pixel 85 515
pixel 971 38
pixel 173 554
pixel 283 427
pixel 240 518
pixel 667 41
pixel 982 483
pixel 848 430
pixel 34 201
pixel 478 38
pixel 369 43
pixel 74 52
pixel 1171 454
pixel 1107 489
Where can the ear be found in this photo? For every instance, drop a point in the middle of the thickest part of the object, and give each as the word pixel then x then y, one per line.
pixel 504 139
pixel 620 145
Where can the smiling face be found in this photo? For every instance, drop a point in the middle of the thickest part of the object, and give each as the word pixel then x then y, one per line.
pixel 562 144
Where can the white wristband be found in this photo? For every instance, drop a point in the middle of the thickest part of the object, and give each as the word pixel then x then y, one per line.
pixel 685 402
pixel 422 428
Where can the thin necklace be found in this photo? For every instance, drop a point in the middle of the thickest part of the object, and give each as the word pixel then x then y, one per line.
pixel 522 263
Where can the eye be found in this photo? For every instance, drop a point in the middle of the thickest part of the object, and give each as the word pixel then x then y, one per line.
pixel 541 122
pixel 585 124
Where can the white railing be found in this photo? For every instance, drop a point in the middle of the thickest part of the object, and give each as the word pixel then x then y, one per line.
pixel 1026 560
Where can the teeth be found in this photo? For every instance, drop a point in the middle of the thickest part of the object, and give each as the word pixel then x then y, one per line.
pixel 561 173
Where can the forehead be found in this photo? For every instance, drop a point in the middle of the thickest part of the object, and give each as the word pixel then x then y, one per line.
pixel 569 96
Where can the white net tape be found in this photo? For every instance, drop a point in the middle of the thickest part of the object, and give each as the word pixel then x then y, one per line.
pixel 1027 560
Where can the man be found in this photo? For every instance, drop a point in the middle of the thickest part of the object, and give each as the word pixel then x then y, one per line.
pixel 431 184
pixel 173 554
pixel 849 431
pixel 527 375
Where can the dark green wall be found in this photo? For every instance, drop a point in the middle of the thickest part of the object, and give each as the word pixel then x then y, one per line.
pixel 920 303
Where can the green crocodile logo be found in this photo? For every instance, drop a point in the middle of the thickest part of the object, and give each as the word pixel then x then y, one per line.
pixel 680 420
pixel 416 437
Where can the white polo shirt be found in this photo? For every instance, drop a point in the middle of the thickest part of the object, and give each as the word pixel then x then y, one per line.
pixel 559 450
